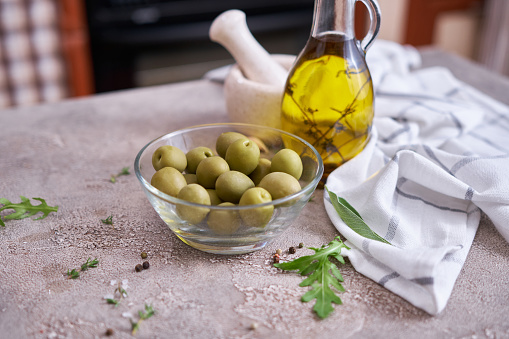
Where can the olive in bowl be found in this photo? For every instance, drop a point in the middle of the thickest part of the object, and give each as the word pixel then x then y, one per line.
pixel 244 223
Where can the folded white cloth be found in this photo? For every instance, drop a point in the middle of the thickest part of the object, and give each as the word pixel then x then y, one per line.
pixel 439 154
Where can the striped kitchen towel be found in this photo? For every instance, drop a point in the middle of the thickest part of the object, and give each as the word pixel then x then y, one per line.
pixel 438 156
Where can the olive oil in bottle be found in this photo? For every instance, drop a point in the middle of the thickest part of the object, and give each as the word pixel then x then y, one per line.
pixel 328 98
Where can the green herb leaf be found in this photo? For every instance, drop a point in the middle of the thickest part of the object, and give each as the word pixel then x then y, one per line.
pixel 124 171
pixel 75 273
pixel 352 218
pixel 135 326
pixel 149 311
pixel 89 264
pixel 323 276
pixel 123 293
pixel 25 209
pixel 144 315
pixel 113 301
pixel 108 220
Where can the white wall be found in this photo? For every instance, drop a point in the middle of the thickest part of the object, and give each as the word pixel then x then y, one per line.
pixel 455 32
pixel 393 19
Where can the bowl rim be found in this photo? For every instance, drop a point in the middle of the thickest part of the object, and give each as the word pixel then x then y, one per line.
pixel 311 185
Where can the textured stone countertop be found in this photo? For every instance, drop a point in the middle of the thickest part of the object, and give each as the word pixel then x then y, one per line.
pixel 66 152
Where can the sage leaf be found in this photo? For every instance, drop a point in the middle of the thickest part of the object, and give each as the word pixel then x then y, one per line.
pixel 352 218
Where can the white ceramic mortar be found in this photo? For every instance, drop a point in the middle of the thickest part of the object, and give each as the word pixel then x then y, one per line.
pixel 254 102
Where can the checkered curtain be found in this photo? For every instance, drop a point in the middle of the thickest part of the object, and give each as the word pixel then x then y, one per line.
pixel 31 64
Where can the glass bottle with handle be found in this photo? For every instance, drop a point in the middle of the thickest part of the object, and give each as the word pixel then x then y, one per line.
pixel 328 98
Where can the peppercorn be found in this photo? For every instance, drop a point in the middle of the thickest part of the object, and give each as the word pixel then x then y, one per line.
pixel 138 268
pixel 301 245
pixel 146 265
pixel 279 251
pixel 292 250
pixel 144 255
pixel 109 332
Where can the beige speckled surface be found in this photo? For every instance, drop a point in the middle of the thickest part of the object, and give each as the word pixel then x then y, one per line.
pixel 66 152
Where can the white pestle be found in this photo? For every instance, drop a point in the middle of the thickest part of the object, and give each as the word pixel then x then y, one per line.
pixel 230 30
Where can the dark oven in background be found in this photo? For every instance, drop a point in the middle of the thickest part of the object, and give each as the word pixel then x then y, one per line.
pixel 137 43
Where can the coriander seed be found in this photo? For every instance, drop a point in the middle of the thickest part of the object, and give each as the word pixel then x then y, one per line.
pixel 146 265
pixel 144 255
pixel 291 250
pixel 279 251
pixel 138 268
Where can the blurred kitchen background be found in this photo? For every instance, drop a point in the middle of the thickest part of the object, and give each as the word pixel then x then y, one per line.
pixel 55 49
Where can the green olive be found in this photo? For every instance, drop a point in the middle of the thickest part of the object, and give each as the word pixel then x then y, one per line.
pixel 197 194
pixel 169 156
pixel 225 140
pixel 196 155
pixel 224 222
pixel 231 185
pixel 214 198
pixel 243 156
pixel 190 178
pixel 209 169
pixel 280 184
pixel 288 161
pixel 168 180
pixel 309 168
pixel 261 170
pixel 259 216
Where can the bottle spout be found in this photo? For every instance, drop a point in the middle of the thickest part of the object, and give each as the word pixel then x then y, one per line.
pixel 231 31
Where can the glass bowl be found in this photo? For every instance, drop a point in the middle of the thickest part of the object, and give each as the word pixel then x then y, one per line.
pixel 242 238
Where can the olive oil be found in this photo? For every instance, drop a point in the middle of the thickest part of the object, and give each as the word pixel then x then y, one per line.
pixel 328 99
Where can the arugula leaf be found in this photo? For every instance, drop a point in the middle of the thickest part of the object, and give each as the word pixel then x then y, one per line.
pixel 352 218
pixel 25 209
pixel 322 275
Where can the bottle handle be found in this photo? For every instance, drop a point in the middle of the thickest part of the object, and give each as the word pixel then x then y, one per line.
pixel 374 26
